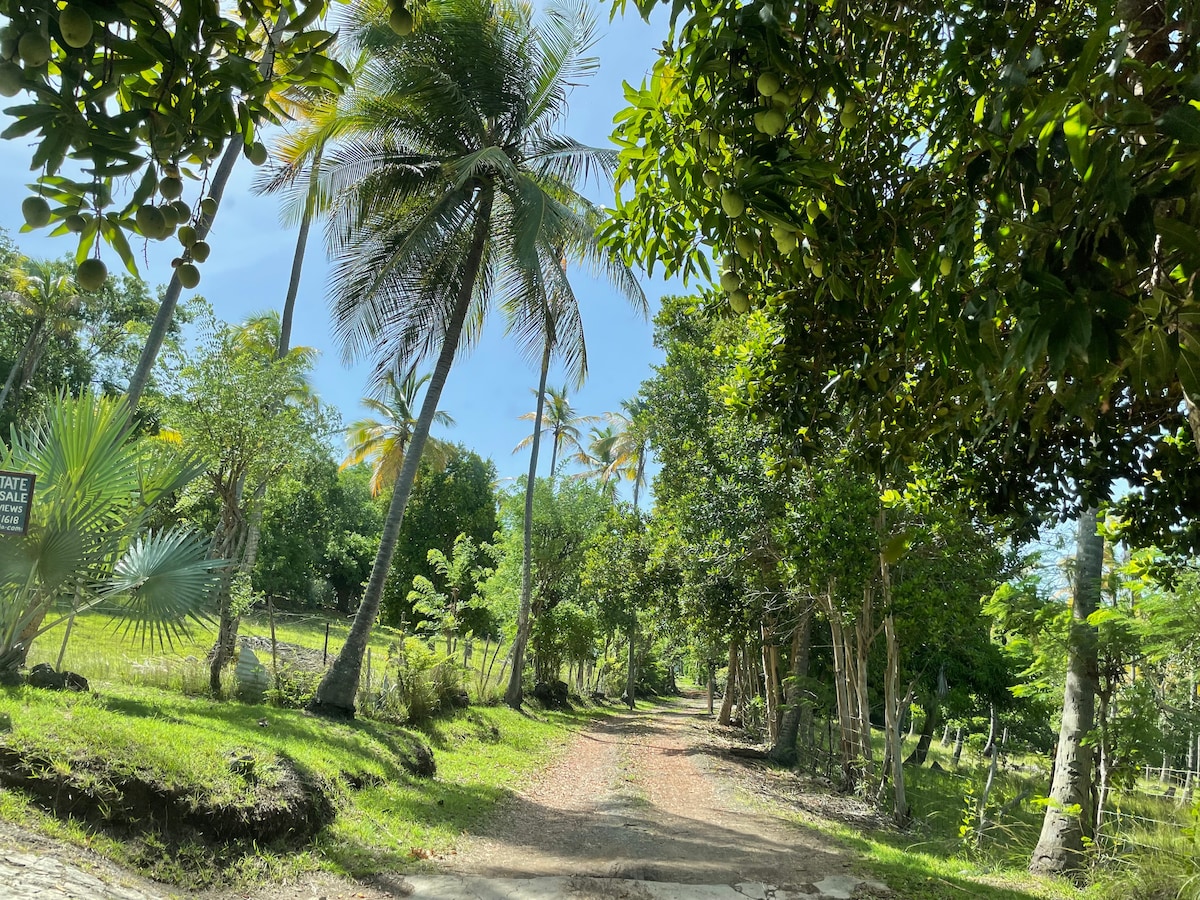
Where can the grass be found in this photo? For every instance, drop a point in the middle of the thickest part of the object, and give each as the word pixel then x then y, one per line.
pixel 148 716
pixel 932 859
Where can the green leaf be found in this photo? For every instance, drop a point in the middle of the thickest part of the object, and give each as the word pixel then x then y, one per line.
pixel 1181 123
pixel 1075 130
pixel 1189 363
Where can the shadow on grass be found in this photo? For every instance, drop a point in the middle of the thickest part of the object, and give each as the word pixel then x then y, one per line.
pixel 912 874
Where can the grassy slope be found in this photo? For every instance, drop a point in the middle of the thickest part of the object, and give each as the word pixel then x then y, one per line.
pixel 938 857
pixel 391 820
pixel 148 716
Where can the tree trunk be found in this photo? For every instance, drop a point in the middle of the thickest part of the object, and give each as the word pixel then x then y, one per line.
pixel 289 303
pixel 987 791
pixel 1067 824
pixel 631 674
pixel 515 694
pixel 19 365
pixel 784 751
pixel 769 684
pixel 1104 767
pixel 993 731
pixel 166 309
pixel 232 547
pixel 726 713
pixel 336 693
pixel 933 715
pixel 893 719
pixel 711 687
pixel 843 689
pixel 958 745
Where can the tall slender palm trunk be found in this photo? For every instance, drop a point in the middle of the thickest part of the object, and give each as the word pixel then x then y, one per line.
pixel 515 694
pixel 1066 828
pixel 166 309
pixel 289 303
pixel 336 693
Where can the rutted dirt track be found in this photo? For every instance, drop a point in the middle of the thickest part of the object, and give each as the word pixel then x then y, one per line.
pixel 645 795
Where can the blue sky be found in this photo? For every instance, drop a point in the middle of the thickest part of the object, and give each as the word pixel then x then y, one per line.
pixel 487 390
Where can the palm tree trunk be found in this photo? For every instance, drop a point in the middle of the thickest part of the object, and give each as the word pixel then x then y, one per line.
pixel 289 303
pixel 516 691
pixel 1067 825
pixel 166 309
pixel 336 693
pixel 639 475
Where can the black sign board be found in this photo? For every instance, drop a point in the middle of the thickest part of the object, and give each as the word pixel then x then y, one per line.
pixel 16 499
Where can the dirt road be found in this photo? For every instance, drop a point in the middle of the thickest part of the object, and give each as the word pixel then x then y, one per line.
pixel 646 795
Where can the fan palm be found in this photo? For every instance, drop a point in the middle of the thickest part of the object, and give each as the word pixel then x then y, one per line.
pixel 49 299
pixel 451 187
pixel 87 541
pixel 383 441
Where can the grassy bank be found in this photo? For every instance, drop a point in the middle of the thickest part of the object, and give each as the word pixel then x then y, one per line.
pixel 942 854
pixel 194 791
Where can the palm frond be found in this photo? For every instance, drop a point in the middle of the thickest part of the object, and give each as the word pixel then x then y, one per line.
pixel 161 584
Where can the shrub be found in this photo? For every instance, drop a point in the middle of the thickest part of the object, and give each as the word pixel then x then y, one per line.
pixel 294 687
pixel 418 683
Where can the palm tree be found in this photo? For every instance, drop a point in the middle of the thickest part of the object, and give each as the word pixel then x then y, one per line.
pixel 599 459
pixel 632 445
pixel 563 332
pixel 450 185
pixel 384 441
pixel 87 540
pixel 617 450
pixel 559 422
pixel 49 299
pixel 216 190
pixel 301 154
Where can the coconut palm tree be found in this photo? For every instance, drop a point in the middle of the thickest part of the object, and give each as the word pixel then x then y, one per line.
pixel 49 299
pixel 298 177
pixel 599 459
pixel 559 423
pixel 631 447
pixel 562 333
pixel 450 188
pixel 234 150
pixel 383 441
pixel 617 450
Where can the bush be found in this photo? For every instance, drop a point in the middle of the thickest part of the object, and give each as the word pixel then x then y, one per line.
pixel 418 684
pixel 294 687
